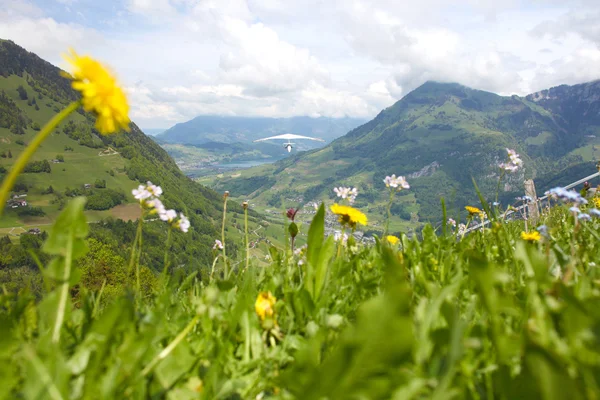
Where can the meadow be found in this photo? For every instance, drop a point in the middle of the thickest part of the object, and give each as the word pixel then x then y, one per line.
pixel 493 314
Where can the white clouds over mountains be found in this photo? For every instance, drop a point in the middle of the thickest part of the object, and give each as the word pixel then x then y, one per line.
pixel 181 58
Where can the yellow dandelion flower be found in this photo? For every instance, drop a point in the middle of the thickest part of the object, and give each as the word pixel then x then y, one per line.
pixel 473 210
pixel 348 215
pixel 100 93
pixel 393 240
pixel 533 236
pixel 264 306
pixel 596 201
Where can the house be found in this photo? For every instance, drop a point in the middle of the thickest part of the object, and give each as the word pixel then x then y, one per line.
pixel 56 161
pixel 87 186
pixel 16 203
pixel 34 231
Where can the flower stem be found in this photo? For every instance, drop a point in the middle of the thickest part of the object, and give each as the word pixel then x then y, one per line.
pixel 21 162
pixel 167 350
pixel 166 259
pixel 499 182
pixel 223 236
pixel 247 242
pixel 64 291
pixel 389 212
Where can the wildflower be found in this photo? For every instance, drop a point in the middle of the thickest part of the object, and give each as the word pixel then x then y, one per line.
pixel 245 205
pixel 352 195
pixel 596 201
pixel 168 215
pixel 495 204
pixel 218 245
pixel 584 217
pixel 183 224
pixel 531 236
pixel 154 190
pixel 100 93
pixel 566 195
pixel 349 215
pixel 141 193
pixel 514 161
pixel 345 192
pixel 575 210
pixel 451 222
pixel 337 236
pixel 291 213
pixel 474 211
pixel 543 230
pixel 226 194
pixel 264 305
pixel 393 240
pixel 396 182
pixel 156 206
pixel 462 229
pixel 594 212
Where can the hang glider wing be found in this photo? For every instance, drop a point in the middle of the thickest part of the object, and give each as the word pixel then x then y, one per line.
pixel 289 136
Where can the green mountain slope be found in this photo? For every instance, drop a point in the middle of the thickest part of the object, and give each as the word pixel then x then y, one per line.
pixel 31 92
pixel 203 129
pixel 440 136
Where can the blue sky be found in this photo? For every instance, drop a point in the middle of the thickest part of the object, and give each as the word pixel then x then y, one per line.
pixel 182 58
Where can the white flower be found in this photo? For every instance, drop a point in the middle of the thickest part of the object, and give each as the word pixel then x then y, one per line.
pixel 341 192
pixel 451 222
pixel 396 182
pixel 154 190
pixel 219 246
pixel 337 235
pixel 168 215
pixel 352 195
pixel 183 223
pixel 141 193
pixel 156 206
pixel 346 193
pixel 462 228
pixel 514 161
pixel 390 181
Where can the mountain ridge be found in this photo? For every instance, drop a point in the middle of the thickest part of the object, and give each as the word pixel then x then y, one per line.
pixel 444 134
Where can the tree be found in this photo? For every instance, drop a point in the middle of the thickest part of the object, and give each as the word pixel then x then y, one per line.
pixel 60 158
pixel 100 184
pixel 9 154
pixel 22 92
pixel 35 126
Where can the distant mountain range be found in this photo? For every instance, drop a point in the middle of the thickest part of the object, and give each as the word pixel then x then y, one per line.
pixel 441 136
pixel 223 129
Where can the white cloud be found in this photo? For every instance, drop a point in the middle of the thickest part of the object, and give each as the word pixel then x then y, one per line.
pixel 181 58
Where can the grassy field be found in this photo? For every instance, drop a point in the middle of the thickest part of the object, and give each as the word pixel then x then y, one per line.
pixel 82 166
pixel 491 315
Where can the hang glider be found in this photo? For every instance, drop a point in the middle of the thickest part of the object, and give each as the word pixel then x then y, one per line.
pixel 289 137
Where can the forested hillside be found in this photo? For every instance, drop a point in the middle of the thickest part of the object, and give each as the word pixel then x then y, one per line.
pixel 441 136
pixel 77 160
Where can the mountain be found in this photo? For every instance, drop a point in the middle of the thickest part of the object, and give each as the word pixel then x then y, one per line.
pixel 203 129
pixel 153 131
pixel 77 160
pixel 441 136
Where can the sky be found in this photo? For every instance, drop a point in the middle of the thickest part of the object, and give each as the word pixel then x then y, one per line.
pixel 178 59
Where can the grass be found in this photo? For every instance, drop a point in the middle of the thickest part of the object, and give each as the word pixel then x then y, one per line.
pixel 486 316
pixel 82 166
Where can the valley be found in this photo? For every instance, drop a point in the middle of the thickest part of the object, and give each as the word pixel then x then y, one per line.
pixel 328 200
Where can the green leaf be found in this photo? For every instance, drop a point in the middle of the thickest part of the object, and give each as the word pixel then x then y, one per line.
pixel 316 233
pixel 70 223
pixel 322 267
